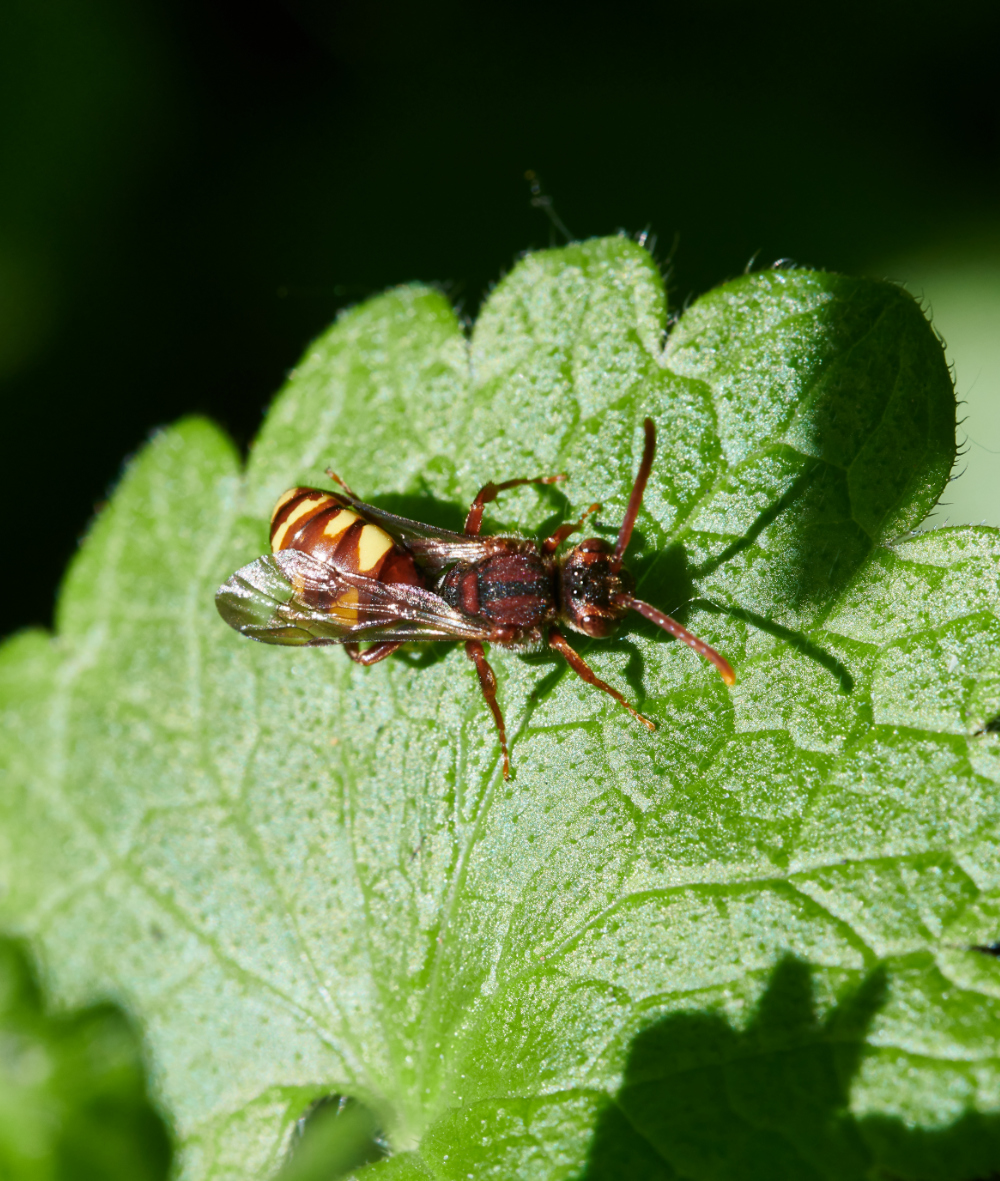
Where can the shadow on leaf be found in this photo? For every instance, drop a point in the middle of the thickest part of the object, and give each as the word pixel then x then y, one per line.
pixel 702 1101
pixel 813 546
pixel 859 454
pixel 797 640
pixel 422 507
pixel 667 581
pixel 428 509
pixel 770 514
pixel 424 655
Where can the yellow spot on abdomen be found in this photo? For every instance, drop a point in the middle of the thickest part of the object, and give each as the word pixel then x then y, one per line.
pixel 373 544
pixel 307 507
pixel 339 523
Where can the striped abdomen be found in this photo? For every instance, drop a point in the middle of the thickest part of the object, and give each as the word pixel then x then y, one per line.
pixel 321 524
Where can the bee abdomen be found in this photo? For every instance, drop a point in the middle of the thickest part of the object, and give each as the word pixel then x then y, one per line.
pixel 321 524
pixel 294 512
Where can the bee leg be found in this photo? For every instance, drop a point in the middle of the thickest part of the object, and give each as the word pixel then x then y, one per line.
pixel 373 654
pixel 583 670
pixel 488 493
pixel 488 683
pixel 551 544
pixel 333 476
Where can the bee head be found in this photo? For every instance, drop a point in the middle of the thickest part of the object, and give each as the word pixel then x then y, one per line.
pixel 594 591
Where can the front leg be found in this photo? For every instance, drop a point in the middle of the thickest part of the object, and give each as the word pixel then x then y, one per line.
pixel 583 670
pixel 488 683
pixel 373 654
pixel 551 544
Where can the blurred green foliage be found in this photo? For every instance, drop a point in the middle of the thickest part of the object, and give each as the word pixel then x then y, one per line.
pixel 74 1104
pixel 336 1136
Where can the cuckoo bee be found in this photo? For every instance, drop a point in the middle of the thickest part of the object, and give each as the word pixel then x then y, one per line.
pixel 345 572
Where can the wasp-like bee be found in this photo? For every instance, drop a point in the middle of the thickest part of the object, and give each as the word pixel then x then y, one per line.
pixel 344 572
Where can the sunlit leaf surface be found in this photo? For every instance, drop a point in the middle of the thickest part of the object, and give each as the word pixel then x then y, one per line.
pixel 737 948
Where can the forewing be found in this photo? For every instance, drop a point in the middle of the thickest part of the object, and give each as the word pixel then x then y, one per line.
pixel 436 555
pixel 260 602
pixel 291 598
pixel 435 549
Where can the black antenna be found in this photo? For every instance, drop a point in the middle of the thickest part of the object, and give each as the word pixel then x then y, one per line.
pixel 541 200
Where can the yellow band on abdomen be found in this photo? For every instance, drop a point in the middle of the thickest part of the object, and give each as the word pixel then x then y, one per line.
pixel 339 523
pixel 307 507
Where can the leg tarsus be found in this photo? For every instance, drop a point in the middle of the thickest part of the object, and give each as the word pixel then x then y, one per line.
pixel 373 654
pixel 583 670
pixel 488 684
pixel 488 493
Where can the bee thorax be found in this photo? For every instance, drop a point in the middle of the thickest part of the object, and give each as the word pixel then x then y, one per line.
pixel 512 590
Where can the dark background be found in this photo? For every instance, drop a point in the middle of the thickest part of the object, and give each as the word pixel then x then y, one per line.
pixel 191 189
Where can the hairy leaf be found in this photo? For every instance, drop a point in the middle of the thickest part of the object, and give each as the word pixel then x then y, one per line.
pixel 739 947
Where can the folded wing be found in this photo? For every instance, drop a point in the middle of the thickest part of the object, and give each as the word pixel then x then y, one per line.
pixel 435 549
pixel 291 598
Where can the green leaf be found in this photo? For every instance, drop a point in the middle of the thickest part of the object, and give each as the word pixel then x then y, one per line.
pixel 309 878
pixel 73 1100
pixel 336 1137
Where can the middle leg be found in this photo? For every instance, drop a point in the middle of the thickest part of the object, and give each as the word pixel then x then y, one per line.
pixel 551 544
pixel 488 493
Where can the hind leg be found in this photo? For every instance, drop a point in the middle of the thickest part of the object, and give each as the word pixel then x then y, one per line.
pixel 488 684
pixel 374 654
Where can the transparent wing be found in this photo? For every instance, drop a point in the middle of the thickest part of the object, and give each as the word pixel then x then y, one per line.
pixel 436 555
pixel 435 549
pixel 291 598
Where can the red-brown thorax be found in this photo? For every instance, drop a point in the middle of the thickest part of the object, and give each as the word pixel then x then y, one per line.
pixel 518 591
pixel 512 588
